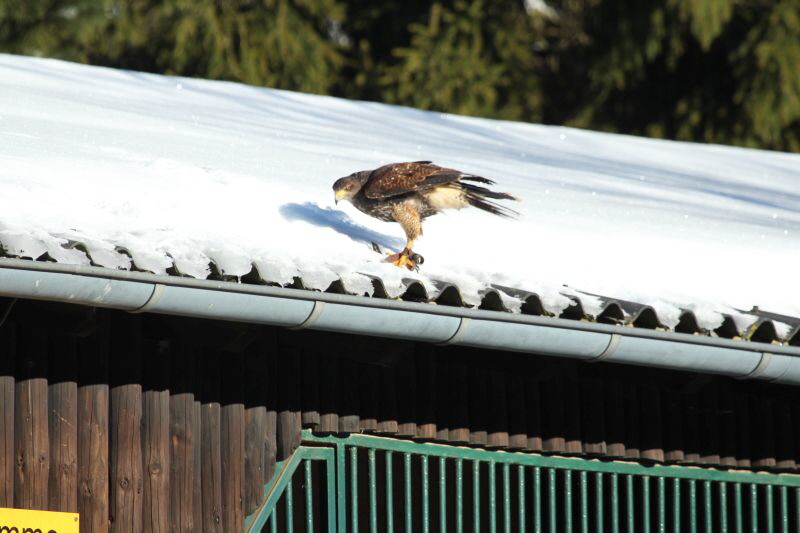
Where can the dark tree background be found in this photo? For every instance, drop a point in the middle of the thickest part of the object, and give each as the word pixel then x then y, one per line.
pixel 703 70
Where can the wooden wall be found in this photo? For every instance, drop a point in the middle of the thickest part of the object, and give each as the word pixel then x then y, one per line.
pixel 153 424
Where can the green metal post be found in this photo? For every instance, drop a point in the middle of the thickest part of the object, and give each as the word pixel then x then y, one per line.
pixel 551 493
pixel 309 497
pixel 425 495
pixel 568 501
pixel 754 508
pixel 476 496
pixel 707 505
pixel 614 504
pixel 768 509
pixel 537 499
pixel 692 506
pixel 341 501
pixel 459 496
pixel 600 504
pixel 373 496
pixel 506 498
pixel 289 509
pixel 676 505
pixel 407 481
pixel 442 494
pixel 354 489
pixel 492 499
pixel 521 495
pixel 737 507
pixel 389 493
pixel 662 505
pixel 784 510
pixel 629 498
pixel 723 507
pixel 646 504
pixel 584 502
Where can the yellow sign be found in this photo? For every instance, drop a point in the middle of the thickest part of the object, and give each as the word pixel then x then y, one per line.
pixel 25 521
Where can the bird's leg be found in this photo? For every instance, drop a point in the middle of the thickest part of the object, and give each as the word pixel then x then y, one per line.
pixel 409 219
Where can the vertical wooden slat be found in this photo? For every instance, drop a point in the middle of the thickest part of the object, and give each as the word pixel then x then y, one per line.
pixel 7 386
pixel 478 404
pixel 709 439
pixel 593 415
pixel 652 441
pixel 742 408
pixel 93 416
pixel 572 409
pixel 691 432
pixel 553 414
pixel 31 444
pixel 348 393
pixel 211 442
pixel 764 451
pixel 406 384
pixel 387 405
pixel 289 423
pixel 232 430
pixel 785 447
pixel 268 349
pixel 458 387
pixel 673 420
pixel 425 398
pixel 310 381
pixel 155 436
pixel 631 424
pixel 497 431
pixel 517 436
pixel 183 438
pixel 63 424
pixel 197 460
pixel 255 448
pixel 727 421
pixel 533 417
pixel 444 407
pixel 615 417
pixel 329 394
pixel 368 388
pixel 125 466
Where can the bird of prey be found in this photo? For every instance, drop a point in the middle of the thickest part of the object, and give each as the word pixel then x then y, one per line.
pixel 407 193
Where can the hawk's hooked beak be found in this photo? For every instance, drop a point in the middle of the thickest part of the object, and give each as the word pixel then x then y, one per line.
pixel 339 195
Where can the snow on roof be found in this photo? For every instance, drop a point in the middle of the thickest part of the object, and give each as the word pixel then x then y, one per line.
pixel 203 178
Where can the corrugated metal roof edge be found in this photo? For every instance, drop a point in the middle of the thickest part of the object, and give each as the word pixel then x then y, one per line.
pixel 411 305
pixel 762 328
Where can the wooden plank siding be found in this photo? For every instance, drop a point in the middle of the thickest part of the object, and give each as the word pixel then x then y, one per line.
pixel 156 424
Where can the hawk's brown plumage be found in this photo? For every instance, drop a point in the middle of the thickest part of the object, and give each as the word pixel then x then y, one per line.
pixel 407 193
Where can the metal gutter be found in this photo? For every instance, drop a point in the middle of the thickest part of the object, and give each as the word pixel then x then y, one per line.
pixel 299 309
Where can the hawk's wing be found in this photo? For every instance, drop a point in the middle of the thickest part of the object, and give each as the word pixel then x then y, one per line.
pixel 401 178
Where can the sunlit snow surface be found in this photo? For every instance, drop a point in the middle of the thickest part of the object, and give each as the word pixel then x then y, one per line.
pixel 193 171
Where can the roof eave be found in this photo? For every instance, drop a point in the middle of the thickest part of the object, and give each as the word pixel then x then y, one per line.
pixel 138 292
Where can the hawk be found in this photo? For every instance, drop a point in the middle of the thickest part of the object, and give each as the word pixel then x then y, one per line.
pixel 408 193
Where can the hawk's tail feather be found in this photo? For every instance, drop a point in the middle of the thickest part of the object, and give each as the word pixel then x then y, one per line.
pixel 480 197
pixel 479 179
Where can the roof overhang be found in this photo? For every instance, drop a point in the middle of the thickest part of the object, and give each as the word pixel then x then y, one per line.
pixel 139 292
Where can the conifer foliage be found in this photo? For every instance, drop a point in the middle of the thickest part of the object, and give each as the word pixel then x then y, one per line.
pixel 716 71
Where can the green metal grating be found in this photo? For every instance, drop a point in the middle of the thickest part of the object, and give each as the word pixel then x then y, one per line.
pixel 362 483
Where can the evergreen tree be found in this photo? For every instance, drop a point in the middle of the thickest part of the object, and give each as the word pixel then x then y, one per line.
pixel 721 71
pixel 472 57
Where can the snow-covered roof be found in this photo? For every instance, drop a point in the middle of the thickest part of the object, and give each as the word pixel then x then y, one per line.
pixel 200 178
